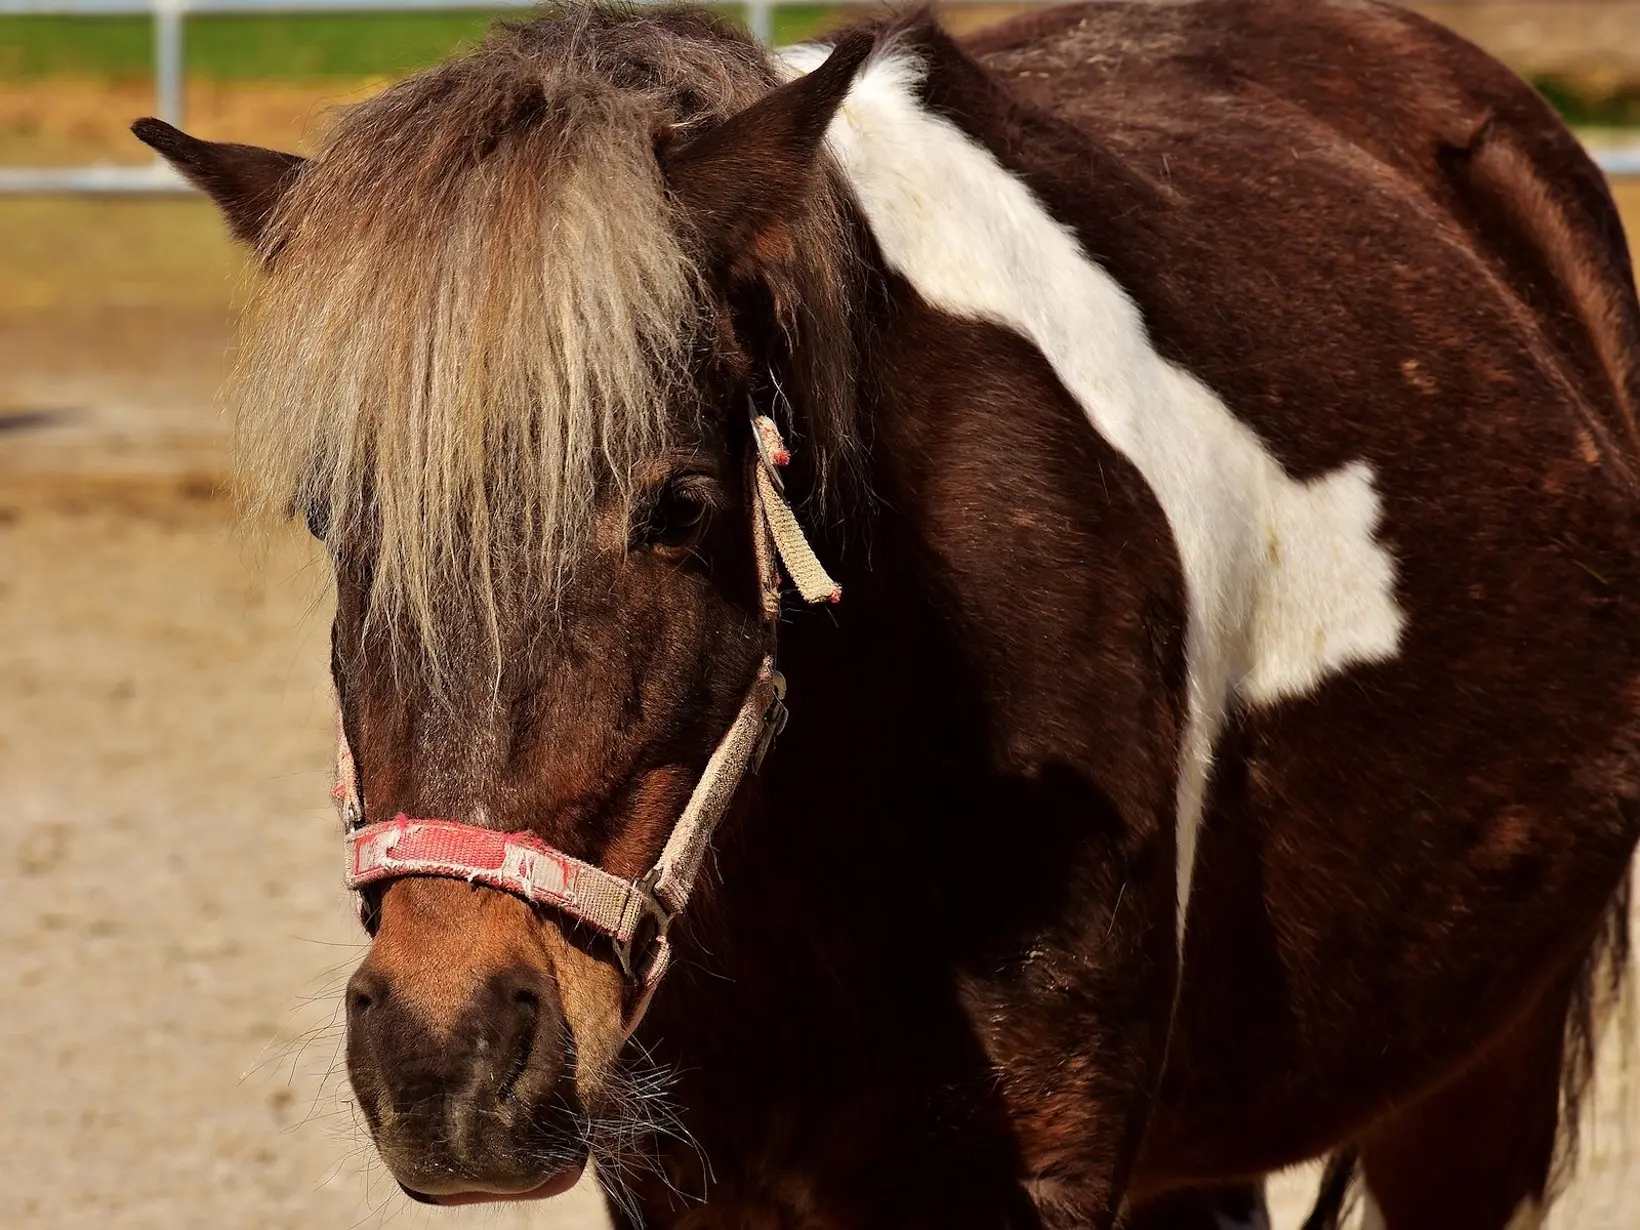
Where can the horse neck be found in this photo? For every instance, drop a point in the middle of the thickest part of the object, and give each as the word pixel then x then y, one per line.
pixel 857 830
pixel 928 707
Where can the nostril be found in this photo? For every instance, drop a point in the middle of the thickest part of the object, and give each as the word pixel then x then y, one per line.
pixel 526 1002
pixel 365 992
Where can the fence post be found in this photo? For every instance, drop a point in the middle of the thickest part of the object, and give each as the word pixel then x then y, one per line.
pixel 760 17
pixel 168 60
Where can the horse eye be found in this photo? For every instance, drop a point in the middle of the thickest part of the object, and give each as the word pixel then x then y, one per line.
pixel 318 520
pixel 675 520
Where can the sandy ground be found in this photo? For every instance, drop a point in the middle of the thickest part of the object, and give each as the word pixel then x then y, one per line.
pixel 172 930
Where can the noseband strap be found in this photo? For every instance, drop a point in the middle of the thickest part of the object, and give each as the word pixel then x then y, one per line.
pixel 636 915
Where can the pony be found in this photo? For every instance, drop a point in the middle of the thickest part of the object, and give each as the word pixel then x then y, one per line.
pixel 1205 434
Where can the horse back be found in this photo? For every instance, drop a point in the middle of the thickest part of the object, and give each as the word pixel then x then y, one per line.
pixel 1322 109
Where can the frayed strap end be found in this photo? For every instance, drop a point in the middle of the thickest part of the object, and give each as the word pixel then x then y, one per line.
pixel 769 442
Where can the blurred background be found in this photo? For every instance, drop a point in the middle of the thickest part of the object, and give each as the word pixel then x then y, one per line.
pixel 173 935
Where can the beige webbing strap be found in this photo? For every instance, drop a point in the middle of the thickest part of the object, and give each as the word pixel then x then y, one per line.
pixel 680 861
pixel 802 565
pixel 667 887
pixel 768 555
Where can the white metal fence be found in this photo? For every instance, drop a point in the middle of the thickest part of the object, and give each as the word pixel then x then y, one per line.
pixel 169 17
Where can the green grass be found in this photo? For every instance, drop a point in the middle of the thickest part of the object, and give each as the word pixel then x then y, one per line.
pixel 235 47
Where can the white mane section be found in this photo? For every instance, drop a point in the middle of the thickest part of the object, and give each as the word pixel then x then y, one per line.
pixel 1284 580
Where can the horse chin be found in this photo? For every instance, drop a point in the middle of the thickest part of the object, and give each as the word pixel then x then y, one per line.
pixel 555 1186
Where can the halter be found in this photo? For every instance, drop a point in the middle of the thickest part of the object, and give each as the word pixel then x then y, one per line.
pixel 636 915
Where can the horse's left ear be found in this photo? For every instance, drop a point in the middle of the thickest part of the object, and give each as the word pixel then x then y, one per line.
pixel 740 180
pixel 245 181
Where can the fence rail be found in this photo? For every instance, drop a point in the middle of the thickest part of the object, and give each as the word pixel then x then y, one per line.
pixel 169 17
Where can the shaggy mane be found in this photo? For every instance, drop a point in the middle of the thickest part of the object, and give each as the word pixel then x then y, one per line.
pixel 479 313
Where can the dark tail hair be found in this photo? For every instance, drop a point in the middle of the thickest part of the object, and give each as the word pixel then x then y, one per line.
pixel 1601 987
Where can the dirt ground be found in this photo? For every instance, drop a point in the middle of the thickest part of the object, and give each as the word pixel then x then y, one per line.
pixel 172 930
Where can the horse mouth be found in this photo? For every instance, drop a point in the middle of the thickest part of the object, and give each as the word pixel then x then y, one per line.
pixel 555 1186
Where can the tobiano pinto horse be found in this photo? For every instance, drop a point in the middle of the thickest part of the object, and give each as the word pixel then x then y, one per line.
pixel 1204 436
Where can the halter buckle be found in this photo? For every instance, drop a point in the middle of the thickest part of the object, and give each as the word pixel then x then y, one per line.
pixel 774 721
pixel 649 908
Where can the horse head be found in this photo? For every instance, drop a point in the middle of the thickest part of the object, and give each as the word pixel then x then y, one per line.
pixel 524 326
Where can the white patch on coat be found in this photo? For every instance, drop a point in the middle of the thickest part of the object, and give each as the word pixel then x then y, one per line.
pixel 1285 581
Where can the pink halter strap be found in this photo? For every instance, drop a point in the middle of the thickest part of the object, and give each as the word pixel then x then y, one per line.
pixel 636 915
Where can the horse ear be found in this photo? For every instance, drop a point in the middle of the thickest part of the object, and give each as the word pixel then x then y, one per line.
pixel 740 180
pixel 245 181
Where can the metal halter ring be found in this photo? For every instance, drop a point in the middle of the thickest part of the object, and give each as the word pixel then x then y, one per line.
pixel 774 721
pixel 650 908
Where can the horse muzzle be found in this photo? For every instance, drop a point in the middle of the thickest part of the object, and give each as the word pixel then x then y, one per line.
pixel 469 1093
